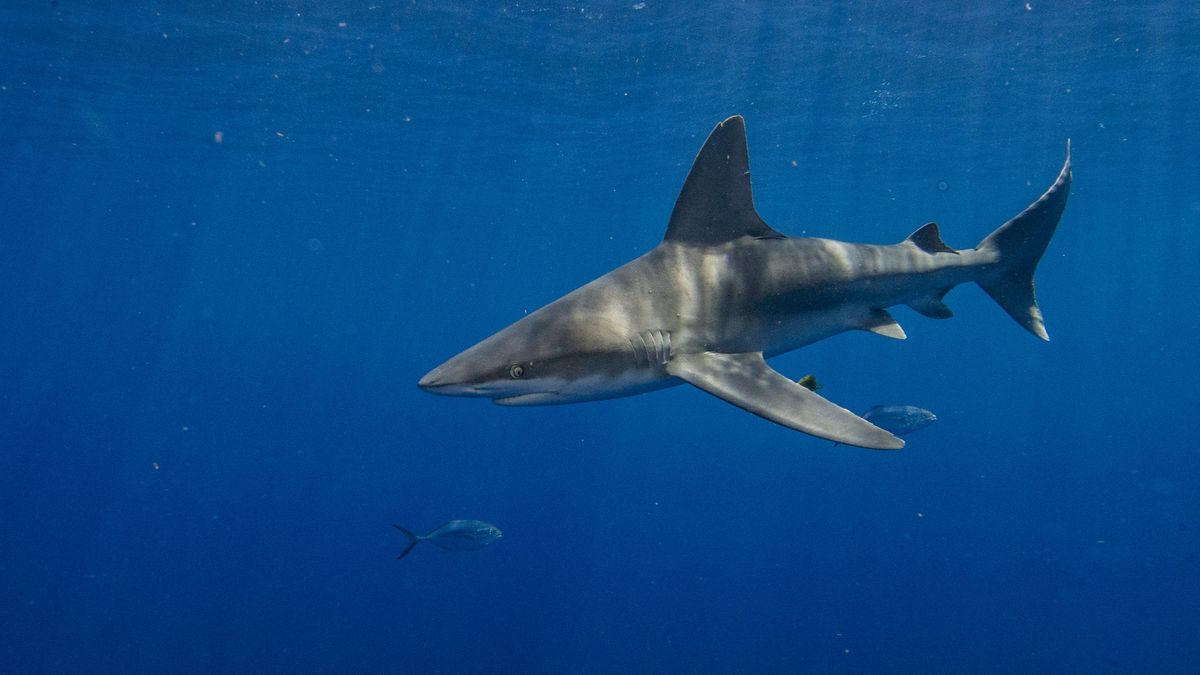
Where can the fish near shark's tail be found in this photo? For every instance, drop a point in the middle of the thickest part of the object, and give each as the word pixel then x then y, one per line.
pixel 1018 246
pixel 413 541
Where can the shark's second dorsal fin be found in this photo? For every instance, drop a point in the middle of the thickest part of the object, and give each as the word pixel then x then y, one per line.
pixel 928 239
pixel 715 204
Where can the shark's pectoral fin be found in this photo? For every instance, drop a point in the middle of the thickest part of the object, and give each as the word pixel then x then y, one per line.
pixel 880 322
pixel 746 381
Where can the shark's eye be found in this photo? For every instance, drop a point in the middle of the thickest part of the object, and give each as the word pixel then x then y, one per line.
pixel 516 371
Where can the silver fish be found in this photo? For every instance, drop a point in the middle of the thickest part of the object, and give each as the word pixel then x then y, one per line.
pixel 456 535
pixel 899 419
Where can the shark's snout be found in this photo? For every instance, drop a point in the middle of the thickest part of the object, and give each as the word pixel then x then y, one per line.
pixel 439 381
pixel 452 379
pixel 432 380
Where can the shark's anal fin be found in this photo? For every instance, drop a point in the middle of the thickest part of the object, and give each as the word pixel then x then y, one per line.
pixel 880 322
pixel 932 305
pixel 746 381
pixel 715 204
pixel 929 239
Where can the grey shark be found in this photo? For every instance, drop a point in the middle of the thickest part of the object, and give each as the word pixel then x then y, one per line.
pixel 724 291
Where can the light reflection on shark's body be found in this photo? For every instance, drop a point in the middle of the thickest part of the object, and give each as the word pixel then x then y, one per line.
pixel 723 291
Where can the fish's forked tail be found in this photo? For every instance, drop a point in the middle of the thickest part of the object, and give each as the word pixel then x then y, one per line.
pixel 413 541
pixel 1018 246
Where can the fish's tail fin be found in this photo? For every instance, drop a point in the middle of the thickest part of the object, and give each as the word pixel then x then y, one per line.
pixel 1018 245
pixel 413 541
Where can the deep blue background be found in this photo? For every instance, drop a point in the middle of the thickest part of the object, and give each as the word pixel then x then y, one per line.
pixel 208 355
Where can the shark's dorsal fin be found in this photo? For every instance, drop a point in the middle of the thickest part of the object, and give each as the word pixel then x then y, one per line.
pixel 929 239
pixel 715 204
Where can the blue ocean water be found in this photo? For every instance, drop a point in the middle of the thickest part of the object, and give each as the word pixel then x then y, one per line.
pixel 233 235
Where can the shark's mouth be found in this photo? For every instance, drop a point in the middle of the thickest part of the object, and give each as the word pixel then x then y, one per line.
pixel 456 390
pixel 537 398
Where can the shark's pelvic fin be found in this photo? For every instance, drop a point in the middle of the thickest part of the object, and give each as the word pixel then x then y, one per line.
pixel 1019 245
pixel 746 381
pixel 880 322
pixel 715 204
pixel 929 239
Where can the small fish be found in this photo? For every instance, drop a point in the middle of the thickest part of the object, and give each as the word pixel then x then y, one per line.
pixel 456 535
pixel 810 383
pixel 899 419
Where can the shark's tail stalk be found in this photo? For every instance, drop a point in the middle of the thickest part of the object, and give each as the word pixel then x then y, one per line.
pixel 1018 246
pixel 413 541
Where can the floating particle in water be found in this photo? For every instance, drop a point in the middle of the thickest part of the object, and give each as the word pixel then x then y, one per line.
pixel 315 244
pixel 942 186
pixel 640 5
pixel 218 137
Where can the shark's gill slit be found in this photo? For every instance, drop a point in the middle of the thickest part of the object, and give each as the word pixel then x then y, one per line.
pixel 645 349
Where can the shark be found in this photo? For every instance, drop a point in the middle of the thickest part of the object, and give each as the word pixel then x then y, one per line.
pixel 723 292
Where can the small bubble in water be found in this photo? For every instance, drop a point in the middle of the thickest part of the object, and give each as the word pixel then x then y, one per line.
pixel 314 244
pixel 942 186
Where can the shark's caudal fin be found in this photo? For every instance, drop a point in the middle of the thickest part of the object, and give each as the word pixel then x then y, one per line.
pixel 1018 246
pixel 413 541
